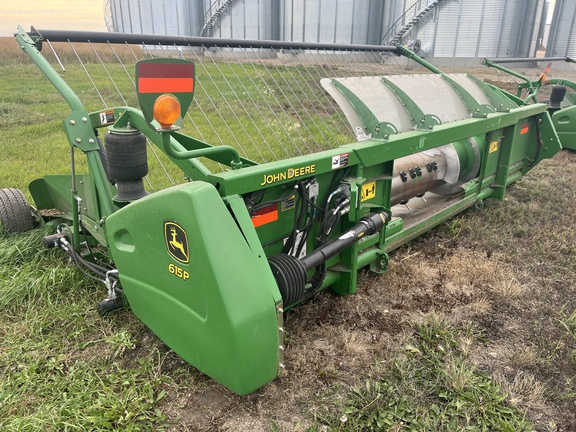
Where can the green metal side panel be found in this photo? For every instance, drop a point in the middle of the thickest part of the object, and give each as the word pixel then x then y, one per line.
pixel 190 276
pixel 564 122
pixel 55 192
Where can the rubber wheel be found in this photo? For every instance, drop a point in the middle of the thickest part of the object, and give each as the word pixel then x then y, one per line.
pixel 15 214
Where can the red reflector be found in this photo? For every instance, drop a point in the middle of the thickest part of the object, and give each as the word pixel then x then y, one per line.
pixel 165 85
pixel 265 215
pixel 525 129
pixel 165 70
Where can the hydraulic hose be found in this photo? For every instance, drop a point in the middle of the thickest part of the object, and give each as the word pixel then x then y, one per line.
pixel 368 225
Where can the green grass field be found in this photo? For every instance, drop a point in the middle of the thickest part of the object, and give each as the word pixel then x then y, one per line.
pixel 473 328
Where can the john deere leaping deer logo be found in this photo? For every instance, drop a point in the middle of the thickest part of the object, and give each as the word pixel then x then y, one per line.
pixel 176 242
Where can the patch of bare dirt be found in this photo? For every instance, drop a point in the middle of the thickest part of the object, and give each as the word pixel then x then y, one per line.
pixel 510 87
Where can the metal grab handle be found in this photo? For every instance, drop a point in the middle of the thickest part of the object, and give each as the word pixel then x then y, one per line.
pixel 205 152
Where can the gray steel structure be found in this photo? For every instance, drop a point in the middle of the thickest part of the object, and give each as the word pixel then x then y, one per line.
pixel 479 28
pixel 441 28
pixel 562 39
pixel 165 17
pixel 323 21
pixel 333 21
pixel 245 19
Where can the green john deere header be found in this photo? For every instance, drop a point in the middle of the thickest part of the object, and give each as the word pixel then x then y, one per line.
pixel 211 264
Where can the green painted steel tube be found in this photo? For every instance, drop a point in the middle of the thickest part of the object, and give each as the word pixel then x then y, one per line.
pixel 79 132
pixel 177 143
pixel 412 56
pixel 532 87
pixel 508 71
pixel 28 45
pixel 485 193
pixel 368 256
pixel 205 152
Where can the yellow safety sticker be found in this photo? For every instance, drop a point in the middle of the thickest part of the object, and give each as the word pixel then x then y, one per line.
pixel 368 191
pixel 107 117
pixel 493 146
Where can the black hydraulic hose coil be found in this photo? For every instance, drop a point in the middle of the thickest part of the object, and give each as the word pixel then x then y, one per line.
pixel 290 275
pixel 290 272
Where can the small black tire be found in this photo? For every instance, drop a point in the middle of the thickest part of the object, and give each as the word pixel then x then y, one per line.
pixel 15 213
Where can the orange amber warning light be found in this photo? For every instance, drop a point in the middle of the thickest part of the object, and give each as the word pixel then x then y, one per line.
pixel 166 110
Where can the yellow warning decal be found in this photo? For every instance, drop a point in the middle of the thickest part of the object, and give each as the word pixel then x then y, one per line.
pixel 368 191
pixel 493 146
pixel 107 117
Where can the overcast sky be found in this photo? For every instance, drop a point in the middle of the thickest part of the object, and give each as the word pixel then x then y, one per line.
pixel 52 14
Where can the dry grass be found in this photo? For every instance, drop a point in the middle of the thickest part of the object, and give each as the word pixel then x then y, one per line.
pixel 68 53
pixel 524 390
pixel 9 51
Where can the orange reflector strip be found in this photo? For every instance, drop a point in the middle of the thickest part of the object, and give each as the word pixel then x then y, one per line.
pixel 165 85
pixel 265 216
pixel 525 129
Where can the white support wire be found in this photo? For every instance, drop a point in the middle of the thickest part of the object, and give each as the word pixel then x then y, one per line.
pixel 267 103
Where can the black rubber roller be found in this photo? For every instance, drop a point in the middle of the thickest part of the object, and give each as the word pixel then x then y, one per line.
pixel 290 275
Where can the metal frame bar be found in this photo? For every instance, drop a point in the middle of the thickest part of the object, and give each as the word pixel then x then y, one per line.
pixel 130 38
